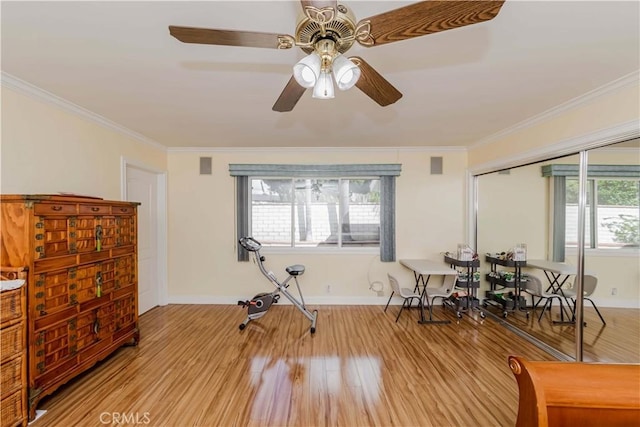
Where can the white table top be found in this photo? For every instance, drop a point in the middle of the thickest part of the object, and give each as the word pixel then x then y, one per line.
pixel 554 267
pixel 427 267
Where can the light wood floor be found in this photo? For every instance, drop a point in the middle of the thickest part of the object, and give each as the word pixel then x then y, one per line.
pixel 616 342
pixel 193 367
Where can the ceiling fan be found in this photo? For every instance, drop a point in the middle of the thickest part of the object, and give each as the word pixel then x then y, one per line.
pixel 326 29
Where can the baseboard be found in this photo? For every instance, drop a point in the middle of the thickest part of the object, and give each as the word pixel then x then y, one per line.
pixel 359 300
pixel 614 303
pixel 606 303
pixel 312 300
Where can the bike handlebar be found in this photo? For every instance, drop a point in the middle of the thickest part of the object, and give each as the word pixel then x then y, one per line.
pixel 250 244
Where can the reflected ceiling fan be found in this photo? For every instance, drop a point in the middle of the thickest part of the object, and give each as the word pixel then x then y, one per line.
pixel 326 29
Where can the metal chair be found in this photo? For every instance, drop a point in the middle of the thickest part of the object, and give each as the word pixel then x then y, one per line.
pixel 405 293
pixel 533 286
pixel 588 288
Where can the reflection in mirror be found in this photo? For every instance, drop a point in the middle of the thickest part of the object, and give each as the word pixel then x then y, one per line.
pixel 514 207
pixel 612 257
pixel 537 205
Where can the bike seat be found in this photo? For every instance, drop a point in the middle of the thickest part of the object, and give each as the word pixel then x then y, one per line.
pixel 295 270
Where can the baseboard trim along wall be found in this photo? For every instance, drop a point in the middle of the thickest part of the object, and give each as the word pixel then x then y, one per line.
pixel 332 300
pixel 338 300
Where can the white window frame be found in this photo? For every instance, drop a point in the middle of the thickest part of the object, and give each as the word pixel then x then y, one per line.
pixel 293 248
pixel 594 237
pixel 386 172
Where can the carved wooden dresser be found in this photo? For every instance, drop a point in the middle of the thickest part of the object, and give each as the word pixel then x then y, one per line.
pixel 81 256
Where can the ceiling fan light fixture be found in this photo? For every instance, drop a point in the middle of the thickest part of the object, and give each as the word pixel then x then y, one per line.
pixel 324 88
pixel 307 70
pixel 346 72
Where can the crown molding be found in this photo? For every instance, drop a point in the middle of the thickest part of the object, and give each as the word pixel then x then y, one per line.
pixel 623 82
pixel 611 135
pixel 421 149
pixel 34 92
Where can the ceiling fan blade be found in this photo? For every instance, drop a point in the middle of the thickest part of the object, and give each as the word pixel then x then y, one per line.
pixel 426 17
pixel 289 97
pixel 374 85
pixel 231 37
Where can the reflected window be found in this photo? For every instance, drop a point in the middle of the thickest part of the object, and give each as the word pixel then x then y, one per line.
pixel 612 214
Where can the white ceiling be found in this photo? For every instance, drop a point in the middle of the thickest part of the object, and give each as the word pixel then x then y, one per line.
pixel 118 60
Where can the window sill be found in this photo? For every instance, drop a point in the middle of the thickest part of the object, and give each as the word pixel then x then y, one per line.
pixel 618 253
pixel 320 250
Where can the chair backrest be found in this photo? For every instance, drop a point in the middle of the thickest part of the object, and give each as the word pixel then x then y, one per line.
pixel 449 284
pixel 445 290
pixel 395 286
pixel 533 286
pixel 589 285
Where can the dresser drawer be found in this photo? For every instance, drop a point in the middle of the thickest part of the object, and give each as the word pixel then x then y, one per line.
pixel 11 410
pixel 122 210
pixel 11 376
pixel 95 209
pixel 54 209
pixel 11 339
pixel 10 307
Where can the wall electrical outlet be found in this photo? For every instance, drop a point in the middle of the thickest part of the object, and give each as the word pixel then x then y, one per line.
pixel 328 289
pixel 614 291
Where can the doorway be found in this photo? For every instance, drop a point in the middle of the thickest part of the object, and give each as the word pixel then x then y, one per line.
pixel 148 187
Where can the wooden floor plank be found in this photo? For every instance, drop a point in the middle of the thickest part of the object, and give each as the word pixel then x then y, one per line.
pixel 616 342
pixel 193 367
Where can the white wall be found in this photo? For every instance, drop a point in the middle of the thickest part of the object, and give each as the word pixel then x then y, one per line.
pixel 202 252
pixel 46 149
pixel 560 128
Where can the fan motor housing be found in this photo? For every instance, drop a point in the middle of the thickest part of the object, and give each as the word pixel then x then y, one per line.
pixel 342 27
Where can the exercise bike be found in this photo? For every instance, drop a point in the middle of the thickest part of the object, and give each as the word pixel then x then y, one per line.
pixel 260 304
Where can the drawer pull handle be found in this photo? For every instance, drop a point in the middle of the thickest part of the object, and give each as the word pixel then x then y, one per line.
pixel 99 232
pixel 95 209
pixel 56 208
pixel 123 209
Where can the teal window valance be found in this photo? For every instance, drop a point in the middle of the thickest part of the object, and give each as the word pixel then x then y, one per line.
pixel 313 171
pixel 593 171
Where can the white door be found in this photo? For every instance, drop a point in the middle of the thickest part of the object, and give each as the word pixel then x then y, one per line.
pixel 142 186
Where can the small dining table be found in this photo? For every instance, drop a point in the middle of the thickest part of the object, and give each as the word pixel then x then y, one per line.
pixel 423 269
pixel 557 274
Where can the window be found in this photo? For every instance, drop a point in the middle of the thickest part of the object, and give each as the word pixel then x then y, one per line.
pixel 312 212
pixel 612 218
pixel 612 213
pixel 312 206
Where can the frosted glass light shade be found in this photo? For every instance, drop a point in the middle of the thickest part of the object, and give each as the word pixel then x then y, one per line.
pixel 346 72
pixel 324 88
pixel 307 70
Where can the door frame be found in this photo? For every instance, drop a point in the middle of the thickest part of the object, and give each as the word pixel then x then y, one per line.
pixel 162 228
